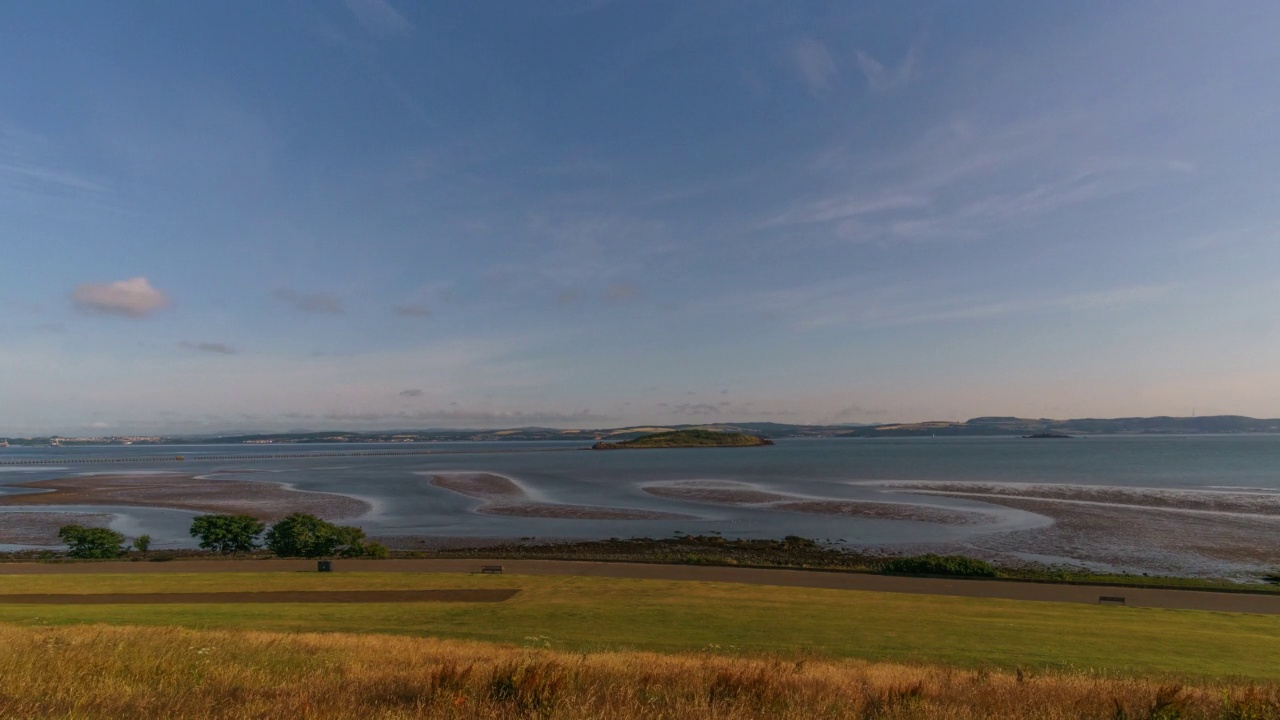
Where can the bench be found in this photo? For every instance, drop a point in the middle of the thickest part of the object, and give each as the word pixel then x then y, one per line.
pixel 491 570
pixel 1110 600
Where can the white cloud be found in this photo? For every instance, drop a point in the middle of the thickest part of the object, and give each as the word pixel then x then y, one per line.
pixel 379 17
pixel 814 64
pixel 881 78
pixel 133 298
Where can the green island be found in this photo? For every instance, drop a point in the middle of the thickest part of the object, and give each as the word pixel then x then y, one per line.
pixel 686 439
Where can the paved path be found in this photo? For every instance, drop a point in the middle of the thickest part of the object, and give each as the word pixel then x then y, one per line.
pixel 1134 597
pixel 271 596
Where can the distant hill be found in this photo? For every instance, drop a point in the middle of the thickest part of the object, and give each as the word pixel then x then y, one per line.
pixel 686 439
pixel 979 426
pixel 1164 425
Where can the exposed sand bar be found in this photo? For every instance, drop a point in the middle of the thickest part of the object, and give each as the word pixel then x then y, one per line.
pixel 264 500
pixel 1254 502
pixel 41 528
pixel 1177 531
pixel 501 496
pixel 742 495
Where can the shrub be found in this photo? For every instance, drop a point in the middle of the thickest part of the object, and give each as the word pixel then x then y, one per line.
pixel 303 535
pixel 89 542
pixel 376 550
pixel 227 533
pixel 931 564
pixel 142 543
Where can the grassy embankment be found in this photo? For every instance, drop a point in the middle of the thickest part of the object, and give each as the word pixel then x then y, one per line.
pixel 792 552
pixel 608 614
pixel 799 553
pixel 143 673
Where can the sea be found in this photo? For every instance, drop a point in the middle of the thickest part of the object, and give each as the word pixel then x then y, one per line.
pixel 394 479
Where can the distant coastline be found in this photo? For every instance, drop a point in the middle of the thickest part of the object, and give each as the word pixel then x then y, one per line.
pixel 975 427
pixel 686 439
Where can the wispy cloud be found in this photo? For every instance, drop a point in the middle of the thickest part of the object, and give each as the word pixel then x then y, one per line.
pixel 619 292
pixel 967 179
pixel 814 64
pixel 457 416
pixel 881 78
pixel 379 17
pixel 316 303
pixel 854 303
pixel 134 298
pixel 29 168
pixel 856 412
pixel 840 208
pixel 411 310
pixel 412 393
pixel 209 347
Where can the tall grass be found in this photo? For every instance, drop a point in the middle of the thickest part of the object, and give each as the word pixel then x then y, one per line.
pixel 123 672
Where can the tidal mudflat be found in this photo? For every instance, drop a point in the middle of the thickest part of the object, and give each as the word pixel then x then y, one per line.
pixel 41 528
pixel 502 496
pixel 737 494
pixel 1161 529
pixel 202 493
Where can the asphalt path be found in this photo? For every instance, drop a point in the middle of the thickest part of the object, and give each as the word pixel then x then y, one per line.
pixel 268 596
pixel 1007 590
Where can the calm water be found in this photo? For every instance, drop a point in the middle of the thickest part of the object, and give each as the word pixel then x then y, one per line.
pixel 404 504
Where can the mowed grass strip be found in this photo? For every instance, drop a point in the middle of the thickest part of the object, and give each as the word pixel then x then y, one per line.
pixel 579 613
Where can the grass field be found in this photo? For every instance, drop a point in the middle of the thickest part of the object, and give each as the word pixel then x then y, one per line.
pixel 606 614
pixel 166 673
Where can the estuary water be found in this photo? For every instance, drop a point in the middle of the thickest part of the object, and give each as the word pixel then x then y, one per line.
pixel 1118 503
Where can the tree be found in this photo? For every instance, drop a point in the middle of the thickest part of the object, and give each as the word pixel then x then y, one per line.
pixel 303 535
pixel 90 542
pixel 142 543
pixel 227 533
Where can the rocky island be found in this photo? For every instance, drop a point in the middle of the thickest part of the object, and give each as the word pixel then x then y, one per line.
pixel 686 439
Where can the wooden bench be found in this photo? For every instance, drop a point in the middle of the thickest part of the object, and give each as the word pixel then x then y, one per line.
pixel 491 570
pixel 1110 600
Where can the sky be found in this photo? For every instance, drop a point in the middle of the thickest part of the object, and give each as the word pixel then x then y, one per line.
pixel 367 214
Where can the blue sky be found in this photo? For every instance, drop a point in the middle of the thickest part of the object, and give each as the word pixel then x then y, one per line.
pixel 376 213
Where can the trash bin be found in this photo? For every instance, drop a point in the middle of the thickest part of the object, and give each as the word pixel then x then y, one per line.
pixel 324 566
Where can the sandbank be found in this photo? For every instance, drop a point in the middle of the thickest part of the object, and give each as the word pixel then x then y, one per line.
pixel 502 496
pixel 263 500
pixel 736 494
pixel 41 528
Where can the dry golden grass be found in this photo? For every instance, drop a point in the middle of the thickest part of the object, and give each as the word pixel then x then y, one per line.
pixel 122 672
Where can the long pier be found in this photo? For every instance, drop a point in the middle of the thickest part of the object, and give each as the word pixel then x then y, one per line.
pixel 277 456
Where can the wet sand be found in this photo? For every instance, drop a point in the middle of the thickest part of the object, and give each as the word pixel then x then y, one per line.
pixel 263 500
pixel 742 495
pixel 1181 532
pixel 41 528
pixel 501 496
pixel 1258 502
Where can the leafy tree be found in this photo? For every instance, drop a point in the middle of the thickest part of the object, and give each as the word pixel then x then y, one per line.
pixel 227 533
pixel 90 542
pixel 303 535
pixel 142 543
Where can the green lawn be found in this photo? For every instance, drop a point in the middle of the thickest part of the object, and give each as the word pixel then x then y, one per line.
pixel 606 613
